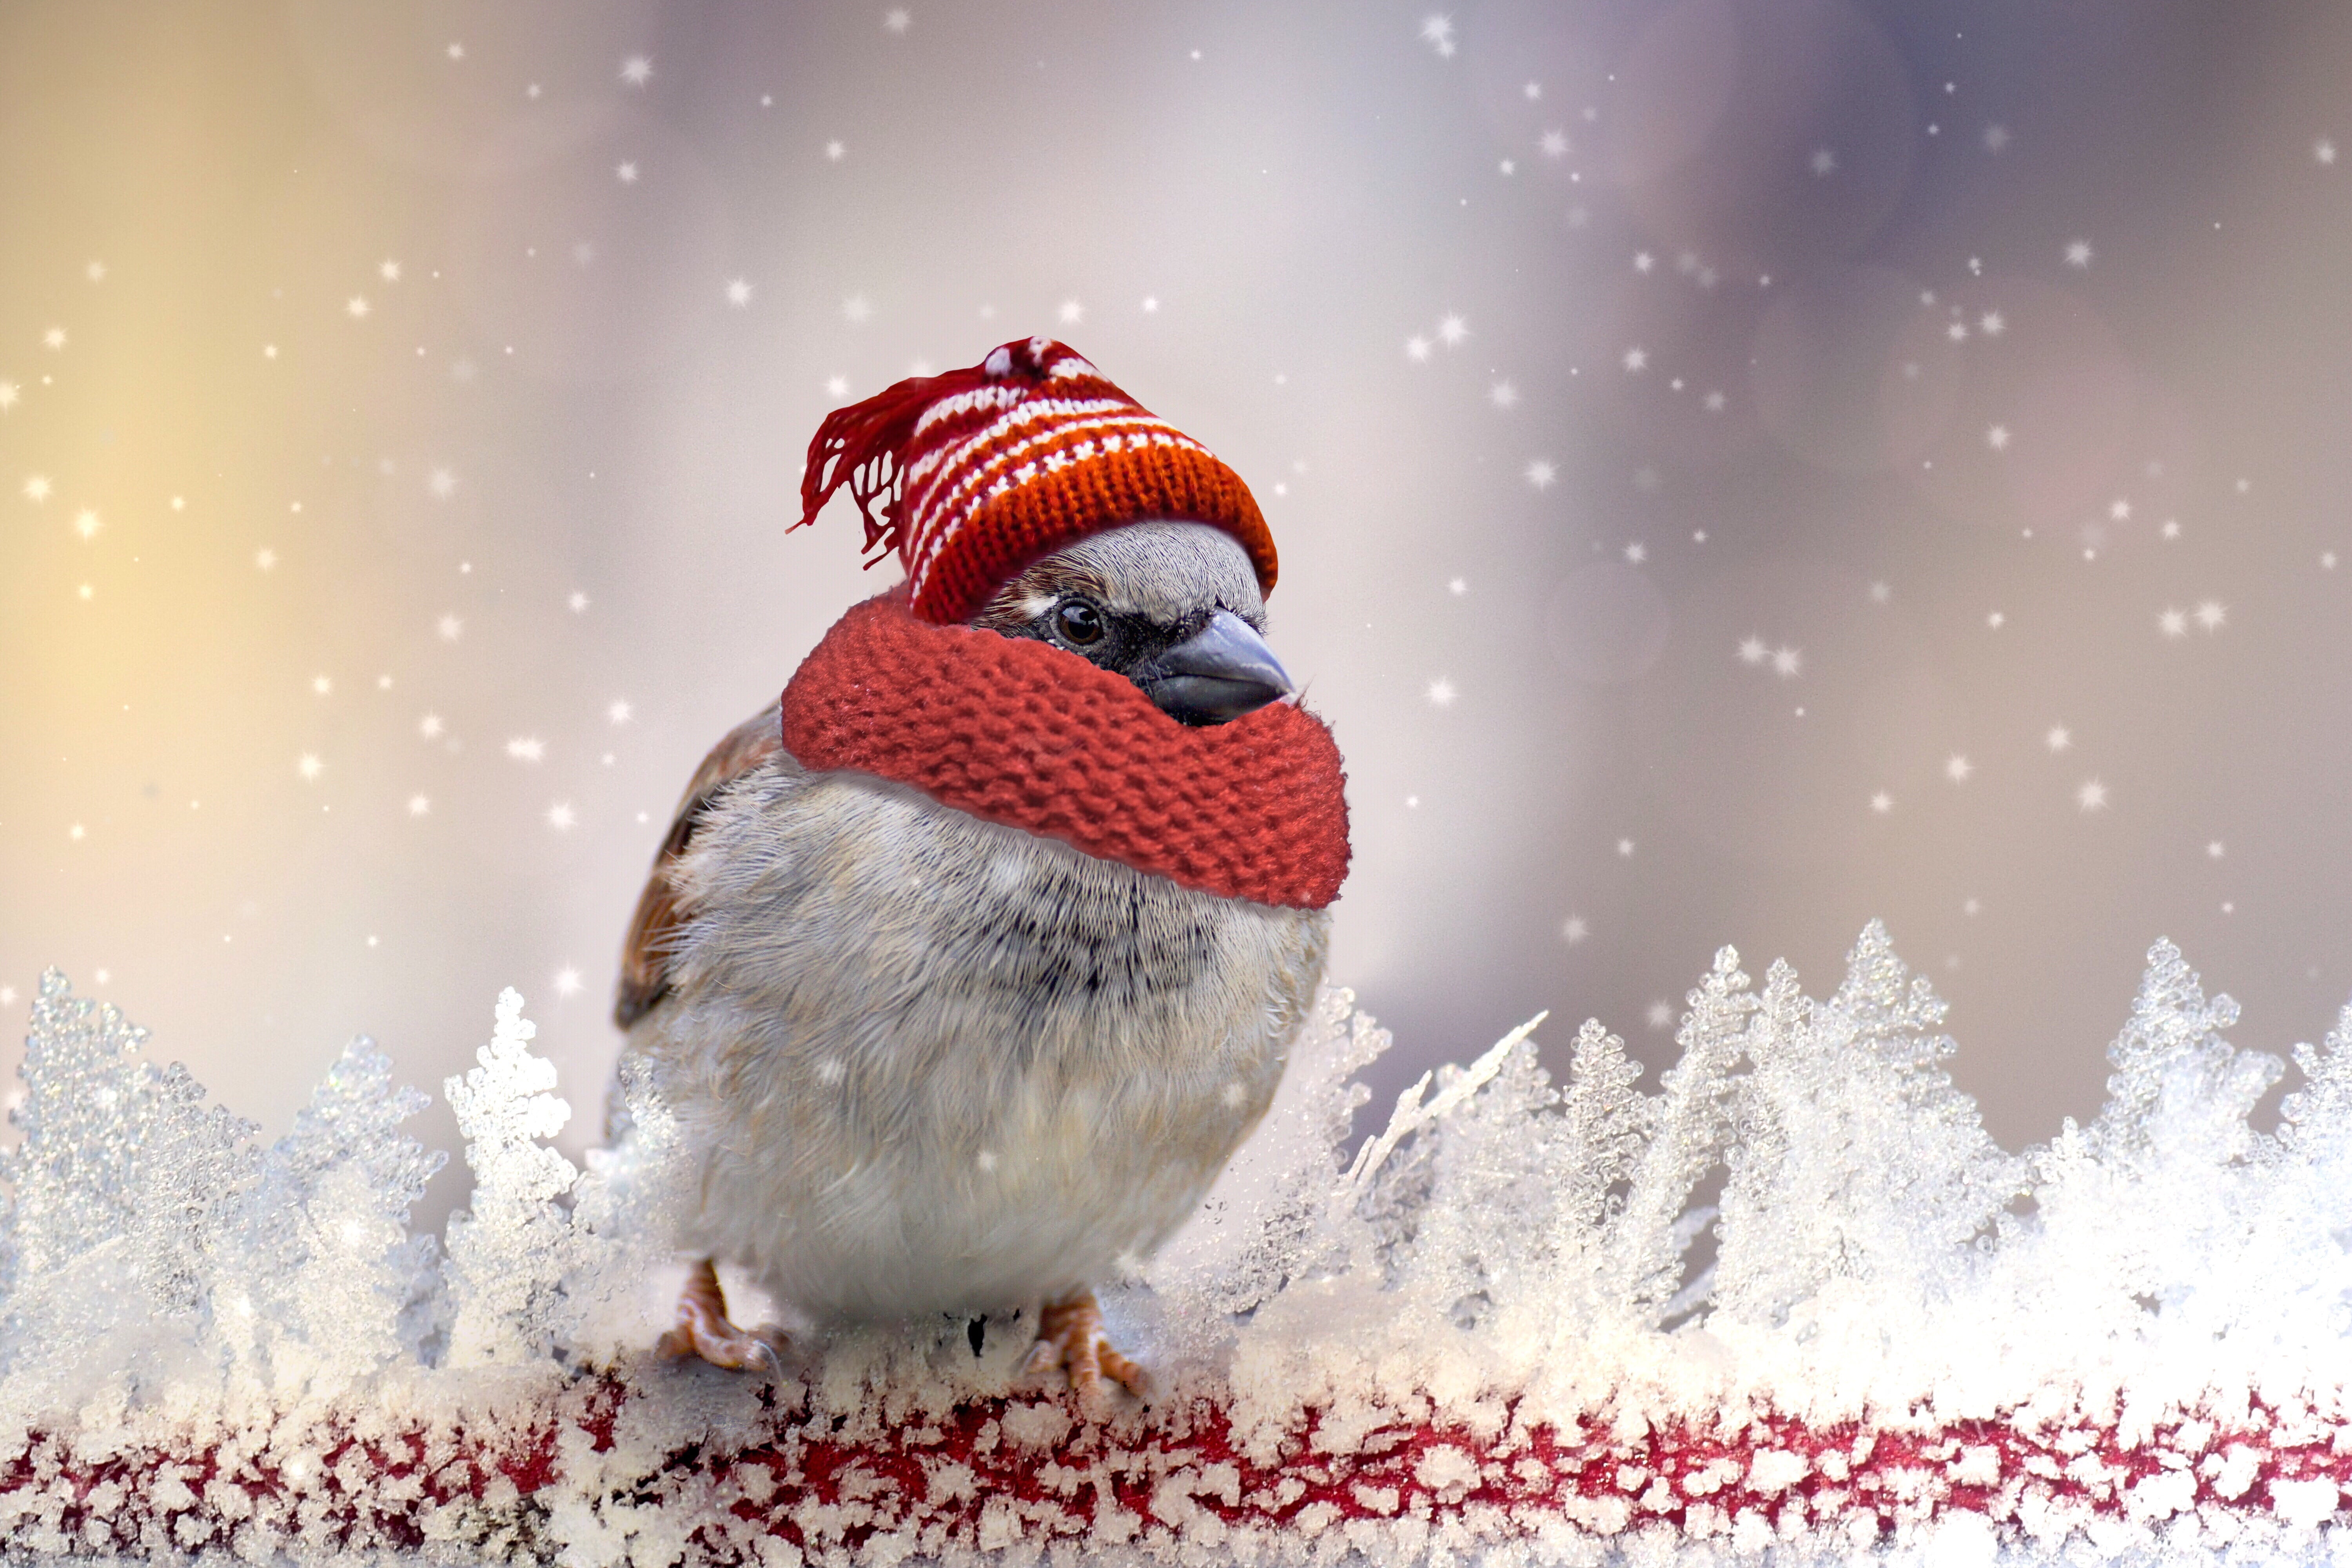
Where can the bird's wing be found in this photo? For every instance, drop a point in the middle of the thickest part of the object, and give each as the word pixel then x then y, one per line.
pixel 646 955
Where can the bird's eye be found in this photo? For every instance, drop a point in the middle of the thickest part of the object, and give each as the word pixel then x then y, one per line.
pixel 1079 622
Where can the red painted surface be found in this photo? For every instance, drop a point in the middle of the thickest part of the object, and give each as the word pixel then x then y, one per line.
pixel 1146 1481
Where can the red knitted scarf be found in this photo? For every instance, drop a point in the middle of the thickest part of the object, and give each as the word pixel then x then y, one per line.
pixel 1023 733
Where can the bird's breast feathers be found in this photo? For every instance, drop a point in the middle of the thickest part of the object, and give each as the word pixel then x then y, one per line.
pixel 932 1062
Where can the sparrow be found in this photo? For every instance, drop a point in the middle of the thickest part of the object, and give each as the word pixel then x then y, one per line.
pixel 926 1062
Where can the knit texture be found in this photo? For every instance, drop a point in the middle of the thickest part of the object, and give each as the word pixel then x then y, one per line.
pixel 1023 733
pixel 981 471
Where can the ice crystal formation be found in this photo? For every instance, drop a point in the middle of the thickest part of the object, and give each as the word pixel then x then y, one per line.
pixel 1492 1331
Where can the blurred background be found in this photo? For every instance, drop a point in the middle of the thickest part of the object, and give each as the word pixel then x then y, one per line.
pixel 1740 469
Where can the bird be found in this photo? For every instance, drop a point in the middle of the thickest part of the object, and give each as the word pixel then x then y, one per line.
pixel 966 965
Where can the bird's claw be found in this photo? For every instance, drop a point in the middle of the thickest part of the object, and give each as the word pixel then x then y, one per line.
pixel 704 1330
pixel 1070 1336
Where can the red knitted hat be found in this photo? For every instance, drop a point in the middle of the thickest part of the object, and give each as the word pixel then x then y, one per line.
pixel 981 471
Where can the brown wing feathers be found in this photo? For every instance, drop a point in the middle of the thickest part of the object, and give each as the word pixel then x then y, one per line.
pixel 653 931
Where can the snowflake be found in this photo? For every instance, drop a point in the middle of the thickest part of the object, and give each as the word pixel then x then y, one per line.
pixel 265 558
pixel 2058 738
pixel 1441 693
pixel 418 806
pixel 739 291
pixel 1996 137
pixel 1958 768
pixel 637 70
pixel 1573 930
pixel 1071 314
pixel 1660 1016
pixel 835 151
pixel 1713 402
pixel 578 603
pixel 626 172
pixel 77 832
pixel 1787 662
pixel 1625 847
pixel 2092 796
pixel 309 767
pixel 1997 438
pixel 55 337
pixel 1451 330
pixel 2214 850
pixel 1824 162
pixel 2212 614
pixel 324 685
pixel 450 627
pixel 2172 529
pixel 7 395
pixel 1150 304
pixel 1992 323
pixel 1637 359
pixel 1457 586
pixel 1957 331
pixel 567 981
pixel 455 51
pixel 1554 144
pixel 1636 553
pixel 896 20
pixel 526 748
pixel 1753 651
pixel 86 523
pixel 1880 593
pixel 836 387
pixel 2078 254
pixel 95 271
pixel 1540 473
pixel 1437 32
pixel 388 270
pixel 1882 803
pixel 2173 624
pixel 357 307
pixel 560 817
pixel 2324 150
pixel 2119 510
pixel 1503 394
pixel 1416 349
pixel 441 484
pixel 855 307
pixel 429 726
pixel 1643 261
pixel 618 711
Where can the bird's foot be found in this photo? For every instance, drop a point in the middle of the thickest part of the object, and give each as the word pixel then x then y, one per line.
pixel 704 1330
pixel 1070 1336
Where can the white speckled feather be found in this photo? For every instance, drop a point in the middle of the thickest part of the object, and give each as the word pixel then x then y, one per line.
pixel 932 1064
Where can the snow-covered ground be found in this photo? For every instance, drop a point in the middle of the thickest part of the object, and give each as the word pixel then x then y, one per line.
pixel 1476 1337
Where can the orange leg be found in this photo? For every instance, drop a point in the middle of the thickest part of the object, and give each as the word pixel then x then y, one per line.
pixel 1070 1336
pixel 703 1329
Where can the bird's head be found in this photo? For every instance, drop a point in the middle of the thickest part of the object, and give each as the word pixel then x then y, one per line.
pixel 1173 607
pixel 1030 496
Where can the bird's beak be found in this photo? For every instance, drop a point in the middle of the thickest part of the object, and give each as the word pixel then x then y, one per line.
pixel 1220 672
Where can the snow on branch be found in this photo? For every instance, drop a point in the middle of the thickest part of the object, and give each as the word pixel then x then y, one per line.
pixel 1478 1338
